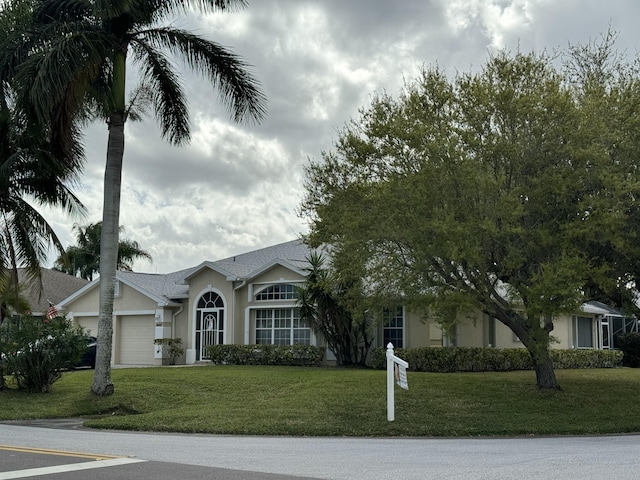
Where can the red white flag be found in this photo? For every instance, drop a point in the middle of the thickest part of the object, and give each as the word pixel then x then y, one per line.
pixel 52 312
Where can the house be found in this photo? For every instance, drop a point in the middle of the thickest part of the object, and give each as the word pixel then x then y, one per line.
pixel 246 298
pixel 250 299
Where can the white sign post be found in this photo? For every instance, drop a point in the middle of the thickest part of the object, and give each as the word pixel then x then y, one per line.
pixel 396 370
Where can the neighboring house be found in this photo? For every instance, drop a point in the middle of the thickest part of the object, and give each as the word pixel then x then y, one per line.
pixel 56 286
pixel 595 326
pixel 250 299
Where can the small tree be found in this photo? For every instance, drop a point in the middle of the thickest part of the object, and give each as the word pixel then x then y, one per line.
pixel 334 309
pixel 36 351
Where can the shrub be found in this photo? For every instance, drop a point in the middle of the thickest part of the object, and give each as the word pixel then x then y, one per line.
pixel 630 345
pixel 171 348
pixel 472 359
pixel 297 355
pixel 36 352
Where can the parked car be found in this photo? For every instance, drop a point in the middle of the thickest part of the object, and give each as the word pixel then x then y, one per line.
pixel 89 357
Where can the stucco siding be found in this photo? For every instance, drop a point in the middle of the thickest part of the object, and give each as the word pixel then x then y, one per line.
pixel 277 274
pixel 470 331
pixel 181 324
pixel 562 332
pixel 86 303
pixel 416 331
pixel 505 338
pixel 130 299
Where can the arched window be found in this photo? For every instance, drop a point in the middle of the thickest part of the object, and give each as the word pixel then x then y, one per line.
pixel 209 322
pixel 282 291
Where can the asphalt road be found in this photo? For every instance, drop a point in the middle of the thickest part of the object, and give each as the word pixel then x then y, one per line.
pixel 170 456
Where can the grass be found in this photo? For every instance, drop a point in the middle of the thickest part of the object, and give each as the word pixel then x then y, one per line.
pixel 340 402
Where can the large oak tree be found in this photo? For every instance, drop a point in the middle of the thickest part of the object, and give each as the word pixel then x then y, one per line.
pixel 486 192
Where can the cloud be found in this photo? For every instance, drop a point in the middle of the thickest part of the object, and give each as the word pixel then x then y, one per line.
pixel 235 188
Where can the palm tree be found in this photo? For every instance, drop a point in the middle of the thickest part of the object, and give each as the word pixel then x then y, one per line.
pixel 83 259
pixel 29 173
pixel 333 308
pixel 74 56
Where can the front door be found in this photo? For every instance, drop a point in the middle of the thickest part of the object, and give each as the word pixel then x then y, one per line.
pixel 605 336
pixel 209 323
pixel 209 330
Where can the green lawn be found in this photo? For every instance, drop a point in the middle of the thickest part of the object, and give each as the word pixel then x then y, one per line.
pixel 342 402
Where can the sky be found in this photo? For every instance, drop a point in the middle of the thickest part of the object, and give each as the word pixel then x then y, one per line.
pixel 237 188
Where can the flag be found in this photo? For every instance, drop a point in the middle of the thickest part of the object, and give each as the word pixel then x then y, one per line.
pixel 52 312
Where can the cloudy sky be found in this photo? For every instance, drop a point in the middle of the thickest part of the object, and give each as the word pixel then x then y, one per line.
pixel 236 188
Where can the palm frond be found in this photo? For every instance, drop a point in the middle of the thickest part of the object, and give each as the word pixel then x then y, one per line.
pixel 228 73
pixel 169 99
pixel 163 9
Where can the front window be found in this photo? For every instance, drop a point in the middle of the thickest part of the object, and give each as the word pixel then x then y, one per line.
pixel 584 332
pixel 393 327
pixel 281 326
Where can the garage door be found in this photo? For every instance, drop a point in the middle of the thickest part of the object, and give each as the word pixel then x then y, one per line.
pixel 136 334
pixel 90 324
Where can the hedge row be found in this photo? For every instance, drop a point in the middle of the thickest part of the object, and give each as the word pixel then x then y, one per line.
pixel 298 355
pixel 629 343
pixel 468 359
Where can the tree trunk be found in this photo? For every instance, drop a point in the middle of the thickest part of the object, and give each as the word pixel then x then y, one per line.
pixel 546 375
pixel 535 338
pixel 109 237
pixel 109 254
pixel 543 366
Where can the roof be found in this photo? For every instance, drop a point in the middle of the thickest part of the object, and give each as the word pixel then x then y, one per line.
pixel 292 254
pixel 600 308
pixel 158 285
pixel 169 287
pixel 56 286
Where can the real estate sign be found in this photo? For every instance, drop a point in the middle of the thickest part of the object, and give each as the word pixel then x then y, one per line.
pixel 401 376
pixel 396 369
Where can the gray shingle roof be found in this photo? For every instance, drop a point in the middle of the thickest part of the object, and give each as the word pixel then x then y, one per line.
pixel 293 253
pixel 158 285
pixel 173 286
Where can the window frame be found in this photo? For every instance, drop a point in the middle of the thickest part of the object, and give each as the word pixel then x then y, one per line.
pixel 281 294
pixel 387 317
pixel 292 318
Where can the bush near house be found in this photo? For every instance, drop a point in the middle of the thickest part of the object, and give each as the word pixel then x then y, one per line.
pixel 36 351
pixel 629 343
pixel 172 348
pixel 293 355
pixel 469 359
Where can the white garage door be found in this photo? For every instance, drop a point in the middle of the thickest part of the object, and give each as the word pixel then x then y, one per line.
pixel 136 334
pixel 90 324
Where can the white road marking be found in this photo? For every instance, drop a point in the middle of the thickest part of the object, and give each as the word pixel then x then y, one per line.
pixel 74 467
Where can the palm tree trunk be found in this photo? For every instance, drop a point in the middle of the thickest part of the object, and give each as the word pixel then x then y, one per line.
pixel 109 254
pixel 109 237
